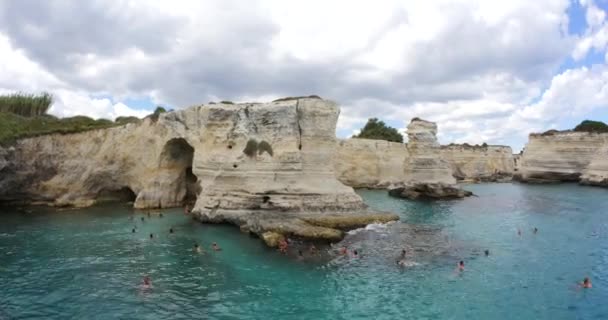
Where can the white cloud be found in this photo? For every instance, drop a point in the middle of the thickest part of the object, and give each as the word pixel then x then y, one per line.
pixel 484 70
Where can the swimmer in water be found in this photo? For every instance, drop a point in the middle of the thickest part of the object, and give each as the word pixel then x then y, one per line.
pixel 300 255
pixel 170 230
pixel 519 232
pixel 355 254
pixel 487 252
pixel 344 251
pixel 197 248
pixel 215 247
pixel 403 253
pixel 147 283
pixel 133 230
pixel 313 249
pixel 461 266
pixel 161 215
pixel 535 230
pixel 283 245
pixel 586 283
pixel 142 219
pixel 151 235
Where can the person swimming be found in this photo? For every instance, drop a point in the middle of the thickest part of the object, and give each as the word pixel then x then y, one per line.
pixel 313 249
pixel 170 230
pixel 147 282
pixel 197 248
pixel 283 245
pixel 403 253
pixel 142 219
pixel 535 230
pixel 518 232
pixel 344 251
pixel 486 252
pixel 133 230
pixel 215 247
pixel 160 215
pixel 151 235
pixel 355 254
pixel 300 255
pixel 461 266
pixel 586 283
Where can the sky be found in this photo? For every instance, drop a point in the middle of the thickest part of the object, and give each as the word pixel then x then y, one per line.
pixel 485 71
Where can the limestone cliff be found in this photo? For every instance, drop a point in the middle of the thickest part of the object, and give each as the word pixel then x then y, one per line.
pixel 562 156
pixel 596 173
pixel 363 163
pixel 80 169
pixel 479 163
pixel 265 167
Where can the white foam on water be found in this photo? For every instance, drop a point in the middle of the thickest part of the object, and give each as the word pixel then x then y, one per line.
pixel 377 227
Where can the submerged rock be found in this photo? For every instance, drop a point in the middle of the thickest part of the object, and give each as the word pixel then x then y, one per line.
pixel 429 191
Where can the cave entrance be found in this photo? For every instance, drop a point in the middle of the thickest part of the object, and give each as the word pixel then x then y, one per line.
pixel 176 159
pixel 124 194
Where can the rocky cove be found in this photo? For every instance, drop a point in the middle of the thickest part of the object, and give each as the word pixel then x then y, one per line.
pixel 272 169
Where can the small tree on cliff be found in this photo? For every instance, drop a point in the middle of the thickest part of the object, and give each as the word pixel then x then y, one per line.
pixel 591 126
pixel 378 130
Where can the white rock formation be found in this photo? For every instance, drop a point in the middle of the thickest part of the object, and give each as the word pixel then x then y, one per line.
pixel 596 173
pixel 364 163
pixel 560 156
pixel 265 167
pixel 479 163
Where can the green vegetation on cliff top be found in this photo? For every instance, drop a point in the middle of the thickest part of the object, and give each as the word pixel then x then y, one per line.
pixel 585 126
pixel 24 115
pixel 378 130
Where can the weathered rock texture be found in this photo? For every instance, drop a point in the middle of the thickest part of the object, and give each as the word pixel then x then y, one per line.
pixel 264 167
pixel 564 156
pixel 479 163
pixel 427 173
pixel 364 163
pixel 596 173
pixel 268 168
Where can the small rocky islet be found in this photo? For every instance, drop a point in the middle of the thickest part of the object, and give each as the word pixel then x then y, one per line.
pixel 275 169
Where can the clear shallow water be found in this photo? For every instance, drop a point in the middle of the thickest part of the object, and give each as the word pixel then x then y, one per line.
pixel 86 264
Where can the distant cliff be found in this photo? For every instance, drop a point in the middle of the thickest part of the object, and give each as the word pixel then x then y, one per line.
pixel 565 156
pixel 363 163
pixel 485 163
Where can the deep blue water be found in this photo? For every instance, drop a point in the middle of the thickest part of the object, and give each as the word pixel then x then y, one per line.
pixel 86 264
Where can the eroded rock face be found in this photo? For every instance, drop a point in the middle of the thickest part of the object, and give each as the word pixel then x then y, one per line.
pixel 596 173
pixel 80 169
pixel 427 173
pixel 268 168
pixel 364 163
pixel 480 163
pixel 562 156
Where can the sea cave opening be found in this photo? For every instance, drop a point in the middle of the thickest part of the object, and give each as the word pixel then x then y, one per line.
pixel 124 194
pixel 177 157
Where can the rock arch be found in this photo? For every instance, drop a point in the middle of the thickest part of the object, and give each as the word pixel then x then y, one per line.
pixel 174 183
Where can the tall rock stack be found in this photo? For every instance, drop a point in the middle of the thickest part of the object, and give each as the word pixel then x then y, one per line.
pixel 268 169
pixel 427 174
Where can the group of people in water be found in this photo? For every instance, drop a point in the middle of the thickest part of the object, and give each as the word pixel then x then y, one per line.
pixel 283 247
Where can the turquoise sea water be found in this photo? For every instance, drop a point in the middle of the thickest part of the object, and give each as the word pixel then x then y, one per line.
pixel 86 264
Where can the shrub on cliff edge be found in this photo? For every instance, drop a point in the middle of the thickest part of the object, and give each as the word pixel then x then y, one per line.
pixel 591 126
pixel 378 130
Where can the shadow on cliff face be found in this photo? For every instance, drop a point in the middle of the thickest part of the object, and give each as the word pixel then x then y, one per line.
pixel 176 158
pixel 124 194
